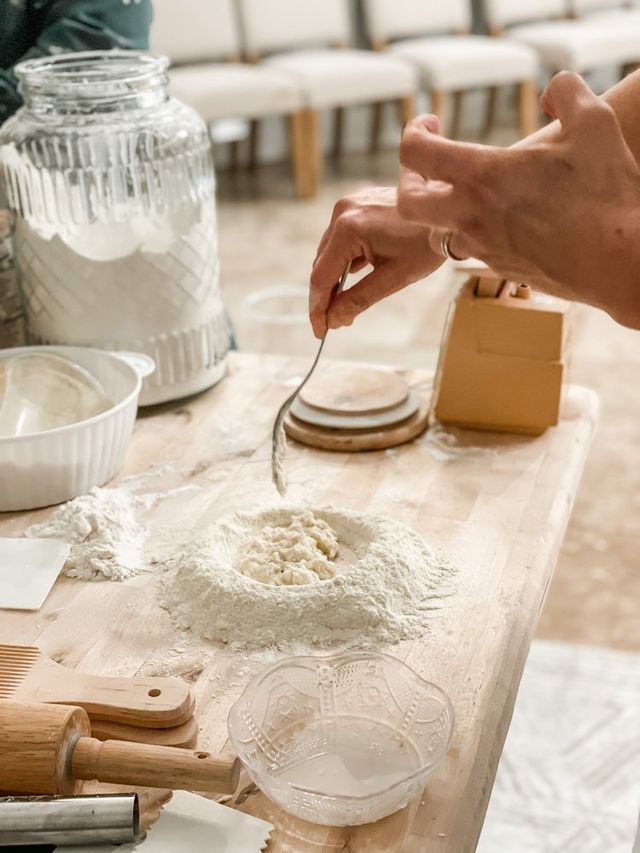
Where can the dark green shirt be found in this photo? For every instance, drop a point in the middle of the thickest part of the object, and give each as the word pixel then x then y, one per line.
pixel 31 28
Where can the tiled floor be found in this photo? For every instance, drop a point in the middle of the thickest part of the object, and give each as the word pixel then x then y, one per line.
pixel 267 239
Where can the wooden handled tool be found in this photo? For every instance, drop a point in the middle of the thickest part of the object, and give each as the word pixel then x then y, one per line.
pixel 185 736
pixel 47 749
pixel 27 676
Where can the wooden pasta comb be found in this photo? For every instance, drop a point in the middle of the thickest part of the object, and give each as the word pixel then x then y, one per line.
pixel 26 675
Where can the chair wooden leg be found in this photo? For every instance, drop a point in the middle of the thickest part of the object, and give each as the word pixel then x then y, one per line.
pixel 305 152
pixel 234 149
pixel 529 110
pixel 438 103
pixel 490 111
pixel 254 143
pixel 376 127
pixel 299 157
pixel 407 108
pixel 458 99
pixel 314 148
pixel 338 131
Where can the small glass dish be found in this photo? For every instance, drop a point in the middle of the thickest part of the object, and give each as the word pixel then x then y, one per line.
pixel 341 739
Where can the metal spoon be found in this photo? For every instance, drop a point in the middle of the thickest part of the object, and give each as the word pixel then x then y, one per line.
pixel 279 438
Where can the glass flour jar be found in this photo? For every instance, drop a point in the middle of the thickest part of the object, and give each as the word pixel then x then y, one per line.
pixel 115 241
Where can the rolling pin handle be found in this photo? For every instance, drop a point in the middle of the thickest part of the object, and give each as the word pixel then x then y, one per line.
pixel 153 766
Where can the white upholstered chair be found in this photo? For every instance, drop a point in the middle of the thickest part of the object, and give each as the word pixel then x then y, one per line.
pixel 604 9
pixel 436 37
pixel 309 41
pixel 574 44
pixel 202 40
pixel 610 13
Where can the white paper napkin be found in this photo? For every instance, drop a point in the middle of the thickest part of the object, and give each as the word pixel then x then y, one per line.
pixel 28 570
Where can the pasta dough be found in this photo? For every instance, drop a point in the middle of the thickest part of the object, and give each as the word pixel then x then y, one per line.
pixel 298 553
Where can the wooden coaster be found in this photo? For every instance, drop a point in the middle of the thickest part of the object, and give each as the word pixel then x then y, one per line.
pixel 347 390
pixel 353 441
pixel 374 420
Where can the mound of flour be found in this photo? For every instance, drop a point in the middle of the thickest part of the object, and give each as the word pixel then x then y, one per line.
pixel 387 583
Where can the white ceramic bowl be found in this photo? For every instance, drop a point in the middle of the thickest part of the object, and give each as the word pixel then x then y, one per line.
pixel 341 739
pixel 49 467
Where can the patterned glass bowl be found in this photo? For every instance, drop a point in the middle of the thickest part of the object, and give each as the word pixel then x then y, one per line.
pixel 341 739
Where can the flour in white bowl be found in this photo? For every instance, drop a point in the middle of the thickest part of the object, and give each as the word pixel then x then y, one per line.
pixel 387 584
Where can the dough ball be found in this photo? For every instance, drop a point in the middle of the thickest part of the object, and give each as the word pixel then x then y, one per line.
pixel 300 552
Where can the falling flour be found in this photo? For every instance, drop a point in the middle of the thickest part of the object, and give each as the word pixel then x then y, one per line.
pixel 387 583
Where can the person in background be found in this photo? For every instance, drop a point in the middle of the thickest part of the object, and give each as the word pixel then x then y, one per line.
pixel 560 210
pixel 34 28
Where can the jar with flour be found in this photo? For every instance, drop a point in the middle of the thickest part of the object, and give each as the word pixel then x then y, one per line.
pixel 115 241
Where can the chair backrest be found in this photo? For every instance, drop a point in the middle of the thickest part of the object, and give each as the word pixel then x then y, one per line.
pixel 393 19
pixel 503 13
pixel 195 30
pixel 273 25
pixel 582 7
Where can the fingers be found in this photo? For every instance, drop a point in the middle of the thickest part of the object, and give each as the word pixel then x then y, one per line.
pixel 380 283
pixel 435 157
pixel 569 99
pixel 342 247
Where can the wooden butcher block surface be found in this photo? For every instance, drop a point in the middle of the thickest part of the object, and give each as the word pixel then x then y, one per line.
pixel 497 505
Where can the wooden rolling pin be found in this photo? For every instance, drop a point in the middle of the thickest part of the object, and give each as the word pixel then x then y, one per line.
pixel 47 749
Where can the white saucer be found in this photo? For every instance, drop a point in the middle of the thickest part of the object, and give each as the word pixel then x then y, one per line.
pixel 389 417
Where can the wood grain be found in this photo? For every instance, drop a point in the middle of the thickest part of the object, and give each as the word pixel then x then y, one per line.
pixel 499 510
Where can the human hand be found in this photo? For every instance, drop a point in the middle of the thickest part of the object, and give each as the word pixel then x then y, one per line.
pixel 559 210
pixel 366 228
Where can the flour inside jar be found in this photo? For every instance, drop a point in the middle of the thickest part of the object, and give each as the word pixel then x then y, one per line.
pixel 300 552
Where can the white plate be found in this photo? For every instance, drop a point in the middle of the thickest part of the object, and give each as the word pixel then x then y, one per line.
pixel 28 570
pixel 390 417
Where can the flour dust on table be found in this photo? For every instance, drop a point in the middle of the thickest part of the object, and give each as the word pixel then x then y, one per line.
pixel 104 530
pixel 375 580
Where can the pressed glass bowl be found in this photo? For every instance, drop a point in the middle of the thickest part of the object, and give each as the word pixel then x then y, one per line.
pixel 341 739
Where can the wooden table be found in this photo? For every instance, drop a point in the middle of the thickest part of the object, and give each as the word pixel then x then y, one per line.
pixel 498 505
